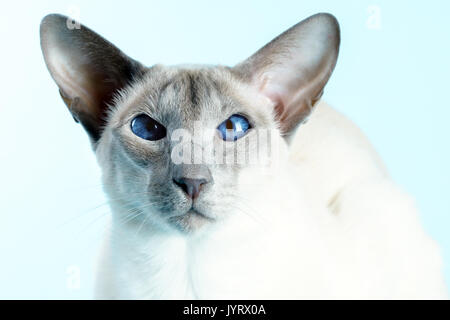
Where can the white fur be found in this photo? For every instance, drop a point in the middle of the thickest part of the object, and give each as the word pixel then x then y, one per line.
pixel 327 223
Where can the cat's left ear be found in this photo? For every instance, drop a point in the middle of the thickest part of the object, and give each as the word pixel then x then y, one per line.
pixel 293 69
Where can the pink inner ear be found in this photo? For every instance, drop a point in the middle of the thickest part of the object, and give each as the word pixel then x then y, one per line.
pixel 275 94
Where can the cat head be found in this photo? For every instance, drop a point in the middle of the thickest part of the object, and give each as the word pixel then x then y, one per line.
pixel 174 142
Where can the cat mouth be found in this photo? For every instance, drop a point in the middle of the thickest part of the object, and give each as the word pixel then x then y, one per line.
pixel 191 220
pixel 194 212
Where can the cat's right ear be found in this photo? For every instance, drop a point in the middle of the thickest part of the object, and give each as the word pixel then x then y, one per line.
pixel 88 70
pixel 293 69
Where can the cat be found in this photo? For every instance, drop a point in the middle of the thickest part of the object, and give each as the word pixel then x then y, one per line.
pixel 315 216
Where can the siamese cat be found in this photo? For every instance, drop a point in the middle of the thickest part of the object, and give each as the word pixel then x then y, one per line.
pixel 315 216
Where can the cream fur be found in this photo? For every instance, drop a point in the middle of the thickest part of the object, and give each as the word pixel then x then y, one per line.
pixel 326 223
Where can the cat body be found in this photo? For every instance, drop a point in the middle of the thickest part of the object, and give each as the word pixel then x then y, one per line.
pixel 317 233
pixel 315 216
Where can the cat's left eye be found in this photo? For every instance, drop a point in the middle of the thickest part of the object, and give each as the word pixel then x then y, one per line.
pixel 234 127
pixel 147 128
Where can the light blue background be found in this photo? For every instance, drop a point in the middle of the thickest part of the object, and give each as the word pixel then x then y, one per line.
pixel 392 81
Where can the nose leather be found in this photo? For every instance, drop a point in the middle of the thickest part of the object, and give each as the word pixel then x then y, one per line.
pixel 190 186
pixel 191 178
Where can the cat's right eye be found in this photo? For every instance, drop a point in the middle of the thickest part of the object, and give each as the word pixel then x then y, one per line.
pixel 147 128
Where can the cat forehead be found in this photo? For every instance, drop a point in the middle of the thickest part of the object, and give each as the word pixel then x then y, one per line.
pixel 194 88
pixel 190 91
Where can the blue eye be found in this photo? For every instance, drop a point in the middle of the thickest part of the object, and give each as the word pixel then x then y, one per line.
pixel 233 128
pixel 147 128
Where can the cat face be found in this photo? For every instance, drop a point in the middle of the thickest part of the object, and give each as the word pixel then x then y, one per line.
pixel 191 104
pixel 175 143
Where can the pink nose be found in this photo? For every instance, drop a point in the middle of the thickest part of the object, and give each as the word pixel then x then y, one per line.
pixel 190 186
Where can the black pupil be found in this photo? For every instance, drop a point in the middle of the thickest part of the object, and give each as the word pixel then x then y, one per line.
pixel 229 124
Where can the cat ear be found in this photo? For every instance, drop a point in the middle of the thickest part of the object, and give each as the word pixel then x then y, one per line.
pixel 88 69
pixel 293 69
